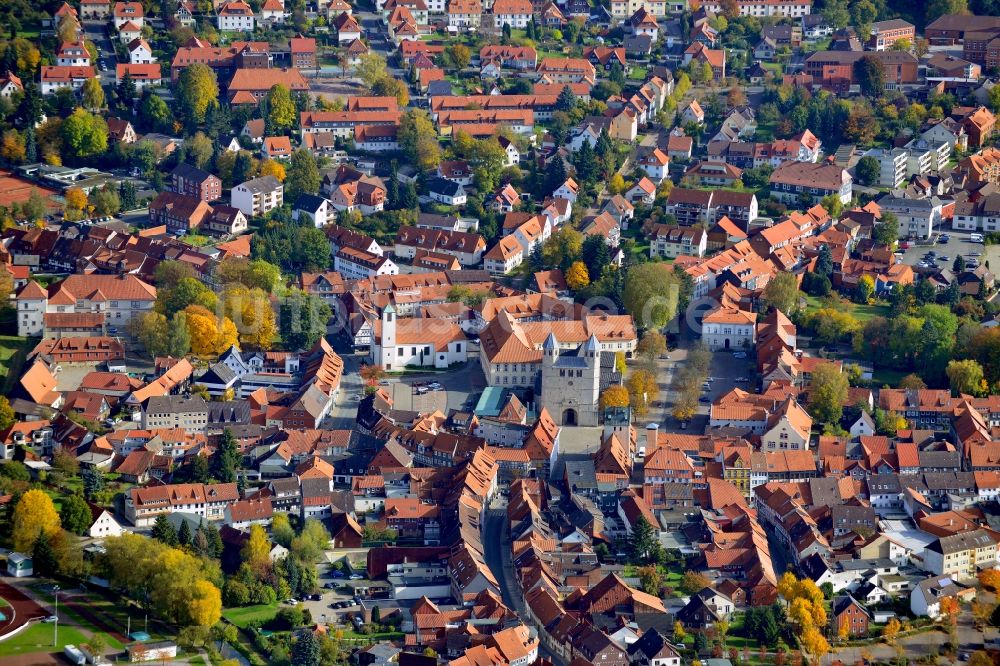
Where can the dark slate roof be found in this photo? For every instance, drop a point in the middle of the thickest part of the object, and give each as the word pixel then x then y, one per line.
pixel 444 186
pixel 309 202
pixel 188 172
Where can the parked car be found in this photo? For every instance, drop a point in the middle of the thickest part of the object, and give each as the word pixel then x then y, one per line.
pixel 292 602
pixel 337 574
pixel 740 355
pixel 356 577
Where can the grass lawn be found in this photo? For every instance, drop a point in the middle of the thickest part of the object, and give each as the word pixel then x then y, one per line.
pixel 887 377
pixel 242 617
pixel 861 312
pixel 637 74
pixel 38 638
pixel 13 350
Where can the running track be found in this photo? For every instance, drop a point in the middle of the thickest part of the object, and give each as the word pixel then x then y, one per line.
pixel 25 609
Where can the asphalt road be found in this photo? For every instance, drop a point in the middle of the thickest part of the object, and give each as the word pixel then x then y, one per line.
pixel 96 31
pixel 496 548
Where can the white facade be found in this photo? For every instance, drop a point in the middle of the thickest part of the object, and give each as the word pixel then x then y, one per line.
pixel 918 218
pixel 355 270
pixel 735 330
pixel 140 55
pixel 391 353
pixel 320 217
pixel 105 526
pixel 892 166
pixel 257 198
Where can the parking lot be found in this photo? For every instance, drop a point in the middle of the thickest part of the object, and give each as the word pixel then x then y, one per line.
pixel 321 610
pixel 958 244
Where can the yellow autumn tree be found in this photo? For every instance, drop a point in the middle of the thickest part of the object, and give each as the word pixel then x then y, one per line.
pixel 272 168
pixel 204 608
pixel 227 335
pixel 203 328
pixel 614 396
pixel 252 313
pixel 891 630
pixel 33 515
pixel 76 203
pixel 642 390
pixel 577 276
pixel 814 643
pixel 257 550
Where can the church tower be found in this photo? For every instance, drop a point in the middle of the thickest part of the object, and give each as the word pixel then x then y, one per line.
pixel 550 352
pixel 388 338
pixel 592 354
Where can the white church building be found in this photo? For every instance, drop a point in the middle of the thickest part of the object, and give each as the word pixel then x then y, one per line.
pixel 416 342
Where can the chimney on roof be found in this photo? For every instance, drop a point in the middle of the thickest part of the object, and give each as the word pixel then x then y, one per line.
pixel 652 437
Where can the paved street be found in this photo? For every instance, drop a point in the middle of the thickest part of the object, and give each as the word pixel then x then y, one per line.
pixel 496 547
pixel 96 31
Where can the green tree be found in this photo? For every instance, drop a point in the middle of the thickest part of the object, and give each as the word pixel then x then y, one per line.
pixel 184 534
pixel 163 531
pixel 867 170
pixel 281 530
pixel 125 91
pixel 828 394
pixel 870 76
pixel 836 13
pixel 75 515
pixel 596 255
pixel 178 336
pixel 651 294
pixel 197 150
pixel 196 88
pixel 866 289
pixel 189 291
pixel 302 319
pixel 938 8
pixel 370 68
pixel 154 113
pixel 302 175
pixel 886 230
pixel 965 377
pixel 642 542
pixel 782 292
pixel 566 101
pixel 281 114
pixel 418 139
pixel 43 556
pixel 93 94
pixel 306 650
pixel 84 135
pixel 106 201
pixel 93 482
pixel 227 458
